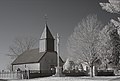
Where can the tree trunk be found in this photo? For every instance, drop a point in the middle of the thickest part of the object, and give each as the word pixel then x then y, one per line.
pixel 91 70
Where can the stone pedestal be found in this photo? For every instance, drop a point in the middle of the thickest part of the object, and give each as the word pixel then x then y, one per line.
pixel 58 72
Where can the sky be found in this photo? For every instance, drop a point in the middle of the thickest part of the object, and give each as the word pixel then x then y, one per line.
pixel 24 18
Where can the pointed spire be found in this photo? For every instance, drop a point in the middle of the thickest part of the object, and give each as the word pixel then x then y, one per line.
pixel 46 33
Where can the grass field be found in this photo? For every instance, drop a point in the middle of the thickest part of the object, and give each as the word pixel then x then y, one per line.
pixel 104 78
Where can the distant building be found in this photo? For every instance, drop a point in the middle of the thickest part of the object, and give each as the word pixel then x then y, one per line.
pixel 42 59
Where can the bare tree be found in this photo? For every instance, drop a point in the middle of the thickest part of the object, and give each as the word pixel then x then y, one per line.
pixel 113 6
pixel 109 47
pixel 83 41
pixel 69 65
pixel 21 45
pixel 104 45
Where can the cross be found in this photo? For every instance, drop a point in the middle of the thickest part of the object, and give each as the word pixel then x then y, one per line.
pixel 58 51
pixel 58 68
pixel 46 18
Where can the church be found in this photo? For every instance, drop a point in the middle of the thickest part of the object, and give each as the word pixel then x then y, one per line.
pixel 41 59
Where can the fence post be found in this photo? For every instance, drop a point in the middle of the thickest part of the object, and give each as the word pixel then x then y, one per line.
pixel 7 73
pixel 28 74
pixel 10 74
pixel 13 74
pixel 22 75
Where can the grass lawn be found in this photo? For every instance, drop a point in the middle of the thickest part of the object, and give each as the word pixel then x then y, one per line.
pixel 100 78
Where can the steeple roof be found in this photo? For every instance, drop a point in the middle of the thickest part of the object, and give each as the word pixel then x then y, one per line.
pixel 46 33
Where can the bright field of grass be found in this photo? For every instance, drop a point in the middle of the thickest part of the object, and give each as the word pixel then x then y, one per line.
pixel 106 78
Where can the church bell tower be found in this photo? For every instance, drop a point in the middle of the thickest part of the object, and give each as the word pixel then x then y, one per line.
pixel 46 42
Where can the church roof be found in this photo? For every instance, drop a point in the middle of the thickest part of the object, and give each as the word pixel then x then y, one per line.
pixel 31 56
pixel 46 33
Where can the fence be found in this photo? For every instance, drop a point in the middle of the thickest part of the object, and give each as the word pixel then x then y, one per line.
pixel 24 74
pixel 21 74
pixel 11 75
